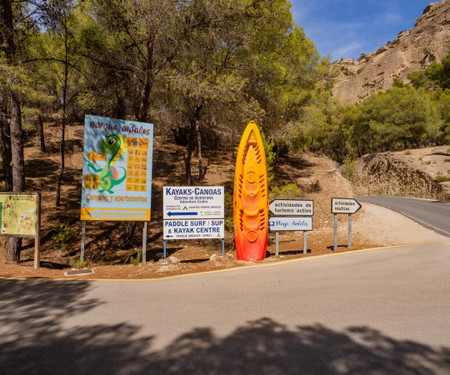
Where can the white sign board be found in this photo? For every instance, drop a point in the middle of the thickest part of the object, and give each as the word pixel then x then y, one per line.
pixel 292 207
pixel 193 229
pixel 194 202
pixel 344 205
pixel 277 224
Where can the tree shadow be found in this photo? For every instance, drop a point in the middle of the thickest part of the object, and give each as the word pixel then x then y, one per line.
pixel 35 340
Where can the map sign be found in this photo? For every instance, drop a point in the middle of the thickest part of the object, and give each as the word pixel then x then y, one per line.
pixel 292 207
pixel 18 214
pixel 194 202
pixel 344 205
pixel 193 229
pixel 277 224
pixel 117 170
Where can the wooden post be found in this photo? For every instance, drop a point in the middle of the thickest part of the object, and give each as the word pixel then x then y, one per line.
pixel 37 237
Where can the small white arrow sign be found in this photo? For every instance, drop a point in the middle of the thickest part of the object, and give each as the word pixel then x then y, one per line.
pixel 292 207
pixel 344 205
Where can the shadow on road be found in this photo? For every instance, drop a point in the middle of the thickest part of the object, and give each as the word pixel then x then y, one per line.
pixel 33 340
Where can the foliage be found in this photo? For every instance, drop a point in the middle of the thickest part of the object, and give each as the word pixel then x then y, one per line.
pixel 78 263
pixel 349 167
pixel 436 75
pixel 62 235
pixel 134 260
pixel 271 155
pixel 229 223
pixel 286 191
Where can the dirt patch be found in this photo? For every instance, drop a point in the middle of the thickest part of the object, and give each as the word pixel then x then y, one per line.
pixel 317 177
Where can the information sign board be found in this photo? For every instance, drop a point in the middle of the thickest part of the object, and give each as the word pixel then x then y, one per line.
pixel 277 224
pixel 292 207
pixel 117 170
pixel 344 206
pixel 194 229
pixel 194 202
pixel 18 214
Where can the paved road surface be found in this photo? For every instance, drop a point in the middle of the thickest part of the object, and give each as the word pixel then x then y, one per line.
pixel 432 214
pixel 383 311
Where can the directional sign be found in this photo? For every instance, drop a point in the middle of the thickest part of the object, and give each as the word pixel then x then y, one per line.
pixel 192 229
pixel 344 205
pixel 292 207
pixel 194 202
pixel 277 224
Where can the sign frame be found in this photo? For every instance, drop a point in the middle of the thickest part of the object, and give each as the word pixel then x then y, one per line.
pixel 287 223
pixel 117 170
pixel 189 229
pixel 189 209
pixel 345 199
pixel 37 223
pixel 292 201
pixel 193 202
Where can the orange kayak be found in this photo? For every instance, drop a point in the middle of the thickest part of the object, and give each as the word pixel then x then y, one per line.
pixel 250 198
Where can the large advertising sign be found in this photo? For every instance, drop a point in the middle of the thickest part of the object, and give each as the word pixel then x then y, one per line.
pixel 18 214
pixel 117 170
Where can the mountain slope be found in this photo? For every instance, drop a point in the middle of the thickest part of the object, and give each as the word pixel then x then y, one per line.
pixel 413 50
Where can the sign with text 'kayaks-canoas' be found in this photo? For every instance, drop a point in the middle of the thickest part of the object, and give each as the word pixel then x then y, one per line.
pixel 250 198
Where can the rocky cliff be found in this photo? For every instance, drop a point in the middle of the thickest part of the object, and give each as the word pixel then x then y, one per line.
pixel 410 173
pixel 413 50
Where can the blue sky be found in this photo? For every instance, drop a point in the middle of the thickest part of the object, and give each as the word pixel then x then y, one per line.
pixel 345 28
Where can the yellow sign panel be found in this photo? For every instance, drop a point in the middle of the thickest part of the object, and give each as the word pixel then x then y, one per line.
pixel 18 214
pixel 114 214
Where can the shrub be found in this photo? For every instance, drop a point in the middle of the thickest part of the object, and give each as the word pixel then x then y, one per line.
pixel 349 167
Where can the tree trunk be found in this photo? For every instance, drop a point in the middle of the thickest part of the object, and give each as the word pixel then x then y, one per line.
pixel 62 147
pixel 13 244
pixel 124 241
pixel 201 169
pixel 5 142
pixel 41 134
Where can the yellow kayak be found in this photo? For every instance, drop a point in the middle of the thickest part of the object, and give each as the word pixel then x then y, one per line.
pixel 250 198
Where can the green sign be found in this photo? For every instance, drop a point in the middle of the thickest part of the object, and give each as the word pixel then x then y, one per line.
pixel 18 214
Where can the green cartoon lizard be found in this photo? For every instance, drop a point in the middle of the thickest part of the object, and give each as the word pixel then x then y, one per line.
pixel 114 145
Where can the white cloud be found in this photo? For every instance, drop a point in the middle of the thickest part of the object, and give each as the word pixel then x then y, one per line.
pixel 352 49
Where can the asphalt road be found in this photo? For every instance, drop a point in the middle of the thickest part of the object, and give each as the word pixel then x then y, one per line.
pixel 431 214
pixel 383 311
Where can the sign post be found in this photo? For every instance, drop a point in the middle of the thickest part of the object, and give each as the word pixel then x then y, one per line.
pixel 347 206
pixel 193 212
pixel 303 224
pixel 291 207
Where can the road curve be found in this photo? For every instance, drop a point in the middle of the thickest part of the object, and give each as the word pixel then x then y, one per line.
pixel 432 214
pixel 383 311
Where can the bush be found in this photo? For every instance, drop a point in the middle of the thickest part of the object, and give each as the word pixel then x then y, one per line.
pixel 286 191
pixel 349 167
pixel 62 235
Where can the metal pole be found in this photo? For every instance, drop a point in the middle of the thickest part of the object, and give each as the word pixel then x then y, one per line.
pixel 305 242
pixel 276 244
pixel 164 249
pixel 37 238
pixel 223 247
pixel 335 232
pixel 144 243
pixel 83 236
pixel 350 231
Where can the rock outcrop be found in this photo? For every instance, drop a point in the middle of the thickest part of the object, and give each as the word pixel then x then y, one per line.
pixel 410 173
pixel 413 50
